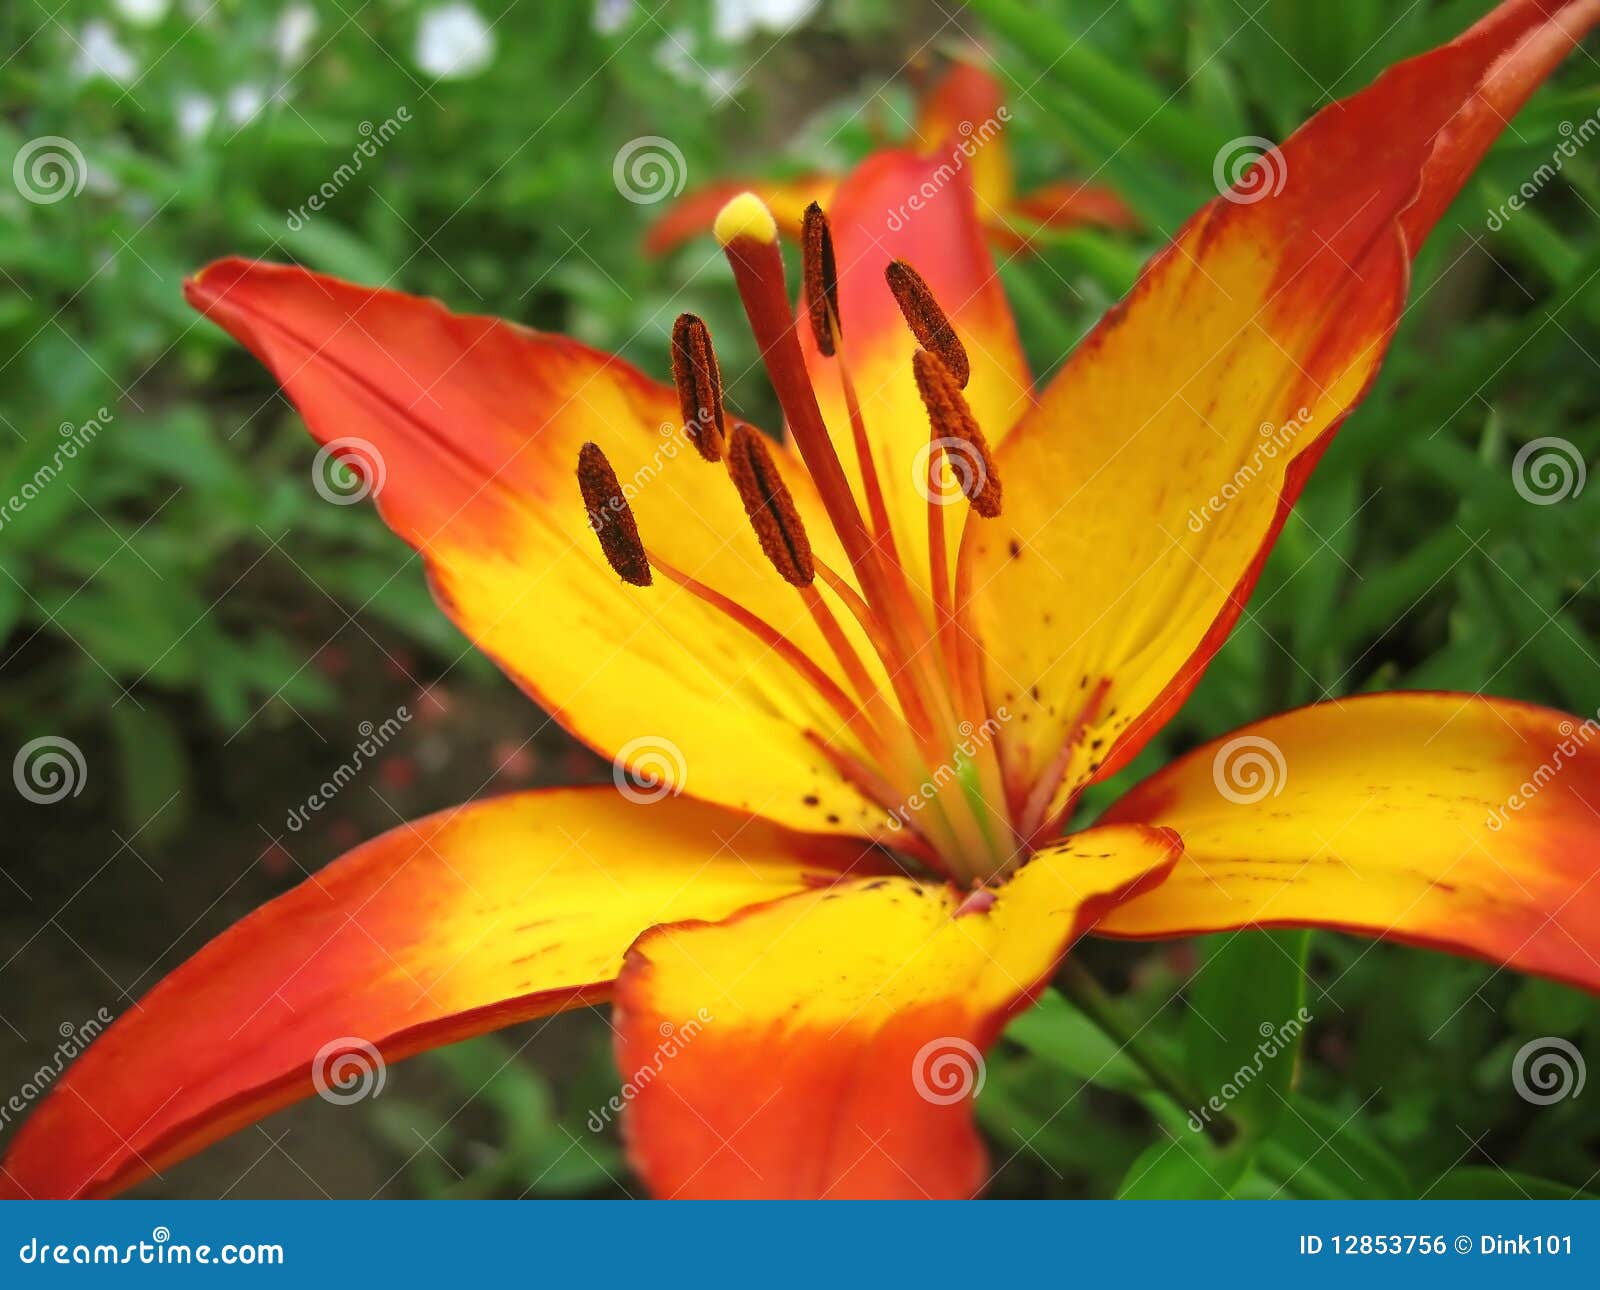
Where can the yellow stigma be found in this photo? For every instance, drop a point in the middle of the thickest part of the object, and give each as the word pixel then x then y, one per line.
pixel 746 216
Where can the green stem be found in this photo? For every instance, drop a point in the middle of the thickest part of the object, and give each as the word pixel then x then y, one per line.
pixel 1090 997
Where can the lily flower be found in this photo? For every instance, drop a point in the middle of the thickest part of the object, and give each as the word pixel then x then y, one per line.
pixel 862 678
pixel 962 121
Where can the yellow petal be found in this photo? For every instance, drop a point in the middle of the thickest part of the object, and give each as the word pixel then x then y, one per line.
pixel 471 429
pixel 1145 490
pixel 1446 820
pixel 828 1044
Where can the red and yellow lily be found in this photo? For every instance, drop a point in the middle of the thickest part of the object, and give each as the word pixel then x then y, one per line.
pixel 962 122
pixel 881 709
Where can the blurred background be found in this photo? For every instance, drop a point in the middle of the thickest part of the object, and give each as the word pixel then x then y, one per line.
pixel 199 627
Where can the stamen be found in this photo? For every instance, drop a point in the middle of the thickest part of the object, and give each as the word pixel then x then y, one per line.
pixel 821 275
pixel 611 517
pixel 928 323
pixel 957 434
pixel 749 238
pixel 699 381
pixel 770 506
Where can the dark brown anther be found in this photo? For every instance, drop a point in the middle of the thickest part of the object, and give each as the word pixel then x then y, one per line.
pixel 927 321
pixel 821 274
pixel 611 517
pixel 769 505
pixel 699 381
pixel 956 433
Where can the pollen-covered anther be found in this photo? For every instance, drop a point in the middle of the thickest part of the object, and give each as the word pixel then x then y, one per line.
pixel 928 322
pixel 699 383
pixel 611 517
pixel 770 506
pixel 956 433
pixel 821 276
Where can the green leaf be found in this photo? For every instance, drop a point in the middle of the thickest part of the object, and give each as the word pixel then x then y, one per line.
pixel 1485 1182
pixel 1246 1018
pixel 1132 103
pixel 1058 1034
pixel 154 773
pixel 1320 1153
pixel 1185 1167
pixel 1541 1007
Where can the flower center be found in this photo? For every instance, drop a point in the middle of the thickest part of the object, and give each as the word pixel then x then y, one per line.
pixel 919 737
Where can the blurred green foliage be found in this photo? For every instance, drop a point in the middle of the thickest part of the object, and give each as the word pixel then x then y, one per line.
pixel 154 580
